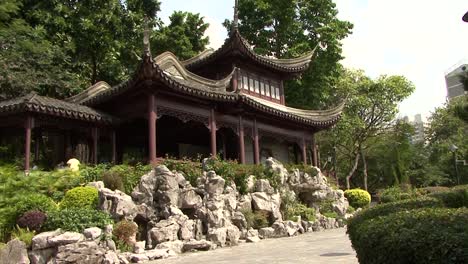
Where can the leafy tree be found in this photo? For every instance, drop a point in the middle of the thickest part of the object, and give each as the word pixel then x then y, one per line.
pixel 288 29
pixel 184 36
pixel 371 107
pixel 30 62
pixel 446 129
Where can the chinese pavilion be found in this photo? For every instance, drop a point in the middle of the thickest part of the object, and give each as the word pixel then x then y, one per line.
pixel 229 102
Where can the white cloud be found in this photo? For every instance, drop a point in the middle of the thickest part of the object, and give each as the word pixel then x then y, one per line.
pixel 419 39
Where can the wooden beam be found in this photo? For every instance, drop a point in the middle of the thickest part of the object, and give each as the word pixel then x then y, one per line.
pixel 95 137
pixel 213 132
pixel 304 150
pixel 256 143
pixel 152 115
pixel 241 141
pixel 27 143
pixel 314 152
pixel 114 146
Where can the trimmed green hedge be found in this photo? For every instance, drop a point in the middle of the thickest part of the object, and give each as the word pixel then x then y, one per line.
pixel 358 198
pixel 455 198
pixel 354 223
pixel 427 235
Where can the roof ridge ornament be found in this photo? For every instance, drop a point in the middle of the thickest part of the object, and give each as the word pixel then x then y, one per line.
pixel 146 38
pixel 235 22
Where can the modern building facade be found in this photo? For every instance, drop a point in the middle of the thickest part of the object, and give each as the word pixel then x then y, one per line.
pixel 453 80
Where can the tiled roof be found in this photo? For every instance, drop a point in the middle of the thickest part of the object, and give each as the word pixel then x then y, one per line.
pixel 237 42
pixel 45 105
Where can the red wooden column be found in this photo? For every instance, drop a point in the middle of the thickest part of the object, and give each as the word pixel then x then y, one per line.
pixel 114 147
pixel 241 141
pixel 304 150
pixel 27 143
pixel 314 152
pixel 152 114
pixel 95 136
pixel 213 132
pixel 256 143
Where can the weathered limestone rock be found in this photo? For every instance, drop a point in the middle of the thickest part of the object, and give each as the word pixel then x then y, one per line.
pixel 167 191
pixel 189 199
pixel 214 184
pixel 143 192
pixel 197 245
pixel 263 185
pixel 40 256
pixel 87 252
pixel 293 228
pixel 218 236
pixel 66 238
pixel 251 184
pixel 266 232
pixel 267 203
pixel 92 233
pixel 280 229
pixel 98 184
pixel 230 198
pixel 245 203
pixel 150 255
pixel 175 246
pixel 252 236
pixel 232 235
pixel 118 204
pixel 111 258
pixel 238 219
pixel 41 240
pixel 139 247
pixel 187 229
pixel 278 168
pixel 165 230
pixel 14 252
pixel 108 243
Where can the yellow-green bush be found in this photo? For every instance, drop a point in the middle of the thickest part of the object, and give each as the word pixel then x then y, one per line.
pixel 358 198
pixel 80 197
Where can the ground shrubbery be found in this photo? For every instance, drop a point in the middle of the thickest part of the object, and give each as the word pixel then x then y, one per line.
pixel 427 229
pixel 396 193
pixel 32 220
pixel 358 198
pixel 124 233
pixel 76 219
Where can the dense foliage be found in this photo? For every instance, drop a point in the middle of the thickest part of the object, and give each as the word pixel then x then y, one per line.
pixel 358 198
pixel 428 235
pixel 123 234
pixel 80 197
pixel 76 219
pixel 428 229
pixel 58 48
pixel 32 220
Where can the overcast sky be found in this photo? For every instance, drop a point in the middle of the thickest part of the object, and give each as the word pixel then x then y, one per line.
pixel 420 39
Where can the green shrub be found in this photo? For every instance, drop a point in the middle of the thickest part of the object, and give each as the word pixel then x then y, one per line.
pixel 426 235
pixel 432 189
pixel 80 197
pixel 454 198
pixel 326 206
pixel 257 219
pixel 350 210
pixel 306 213
pixel 330 214
pixel 93 173
pixel 34 201
pixel 24 234
pixel 123 233
pixel 394 194
pixel 358 198
pixel 355 222
pixel 113 180
pixel 130 175
pixel 76 219
pixel 32 220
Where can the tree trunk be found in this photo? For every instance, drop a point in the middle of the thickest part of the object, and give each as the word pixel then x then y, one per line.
pixel 350 174
pixel 364 163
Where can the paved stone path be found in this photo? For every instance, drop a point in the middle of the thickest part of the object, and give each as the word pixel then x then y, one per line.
pixel 330 246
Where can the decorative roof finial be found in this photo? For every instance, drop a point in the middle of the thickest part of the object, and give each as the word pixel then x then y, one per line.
pixel 146 38
pixel 235 22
